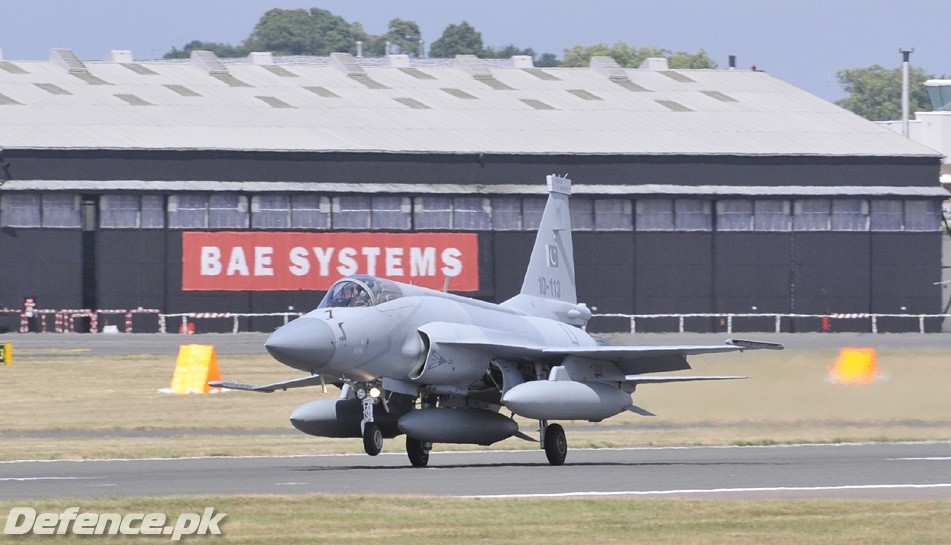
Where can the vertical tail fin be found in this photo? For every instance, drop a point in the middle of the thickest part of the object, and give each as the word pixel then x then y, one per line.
pixel 549 287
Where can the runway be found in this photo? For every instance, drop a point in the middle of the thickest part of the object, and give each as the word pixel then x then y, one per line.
pixel 868 470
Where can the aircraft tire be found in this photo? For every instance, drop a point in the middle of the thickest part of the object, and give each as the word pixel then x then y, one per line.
pixel 372 439
pixel 556 445
pixel 418 454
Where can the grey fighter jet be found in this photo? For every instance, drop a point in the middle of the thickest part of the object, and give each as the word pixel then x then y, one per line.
pixel 442 368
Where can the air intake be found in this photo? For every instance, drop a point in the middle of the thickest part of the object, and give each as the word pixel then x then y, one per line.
pixel 472 65
pixel 346 63
pixel 68 60
pixel 208 61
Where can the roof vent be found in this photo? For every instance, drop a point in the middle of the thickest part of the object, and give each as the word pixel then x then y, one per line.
pixel 120 56
pixel 654 63
pixel 68 60
pixel 472 65
pixel 208 61
pixel 398 61
pixel 523 61
pixel 939 91
pixel 347 63
pixel 608 67
pixel 260 57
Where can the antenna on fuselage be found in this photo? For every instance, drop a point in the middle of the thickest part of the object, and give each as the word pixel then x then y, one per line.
pixel 445 285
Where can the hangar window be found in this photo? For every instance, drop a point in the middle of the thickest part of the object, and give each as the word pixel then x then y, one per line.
pixel 131 211
pixel 351 212
pixel 471 213
pixel 922 215
pixel 118 211
pixel 310 212
pixel 390 212
pixel 152 214
pixel 432 212
pixel 188 211
pixel 506 213
pixel 613 215
pixel 227 210
pixel 693 215
pixel 885 215
pixel 771 215
pixel 849 215
pixel 734 215
pixel 582 213
pixel 532 208
pixel 20 210
pixel 654 215
pixel 61 210
pixel 270 211
pixel 812 214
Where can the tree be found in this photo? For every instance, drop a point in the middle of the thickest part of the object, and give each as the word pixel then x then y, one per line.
pixel 461 39
pixel 875 91
pixel 631 57
pixel 220 49
pixel 404 37
pixel 285 32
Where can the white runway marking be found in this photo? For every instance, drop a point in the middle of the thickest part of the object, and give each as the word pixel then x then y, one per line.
pixel 925 459
pixel 714 491
pixel 44 478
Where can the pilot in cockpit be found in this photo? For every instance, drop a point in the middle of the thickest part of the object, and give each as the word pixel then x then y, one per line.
pixel 350 294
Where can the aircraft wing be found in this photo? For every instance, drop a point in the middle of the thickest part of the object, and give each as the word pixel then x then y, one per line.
pixel 310 380
pixel 629 359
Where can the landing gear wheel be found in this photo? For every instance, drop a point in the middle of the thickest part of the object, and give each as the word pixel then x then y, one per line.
pixel 372 439
pixel 417 452
pixel 556 446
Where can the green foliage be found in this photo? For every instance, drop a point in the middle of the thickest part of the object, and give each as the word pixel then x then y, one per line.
pixel 631 57
pixel 403 35
pixel 299 32
pixel 875 91
pixel 220 49
pixel 461 39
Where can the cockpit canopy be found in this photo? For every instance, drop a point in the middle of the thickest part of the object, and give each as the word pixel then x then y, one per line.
pixel 360 290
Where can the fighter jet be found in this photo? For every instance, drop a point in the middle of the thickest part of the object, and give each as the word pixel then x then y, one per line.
pixel 442 368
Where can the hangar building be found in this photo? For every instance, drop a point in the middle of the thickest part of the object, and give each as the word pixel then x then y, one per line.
pixel 248 185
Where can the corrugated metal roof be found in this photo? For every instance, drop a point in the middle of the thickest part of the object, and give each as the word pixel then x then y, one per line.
pixel 650 190
pixel 766 116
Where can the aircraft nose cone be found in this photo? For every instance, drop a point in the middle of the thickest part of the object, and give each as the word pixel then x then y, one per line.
pixel 305 344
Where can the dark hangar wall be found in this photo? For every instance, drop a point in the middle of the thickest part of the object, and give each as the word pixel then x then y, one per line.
pixel 490 169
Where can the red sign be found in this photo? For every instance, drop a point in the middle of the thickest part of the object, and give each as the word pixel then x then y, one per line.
pixel 279 261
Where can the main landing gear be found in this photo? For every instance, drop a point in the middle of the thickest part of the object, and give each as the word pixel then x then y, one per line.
pixel 554 443
pixel 418 451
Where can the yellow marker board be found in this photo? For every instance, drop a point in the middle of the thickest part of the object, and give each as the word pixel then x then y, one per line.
pixel 6 353
pixel 855 366
pixel 195 366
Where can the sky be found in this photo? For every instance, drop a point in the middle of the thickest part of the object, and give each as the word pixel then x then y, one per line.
pixel 803 42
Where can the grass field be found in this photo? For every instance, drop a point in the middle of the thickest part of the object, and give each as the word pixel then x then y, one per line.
pixel 57 405
pixel 413 520
pixel 68 405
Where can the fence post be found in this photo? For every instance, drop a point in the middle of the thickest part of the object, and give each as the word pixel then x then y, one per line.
pixel 874 323
pixel 235 328
pixel 729 324
pixel 921 323
pixel 633 324
pixel 681 324
pixel 779 319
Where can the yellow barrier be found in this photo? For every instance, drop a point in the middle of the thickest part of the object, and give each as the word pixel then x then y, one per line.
pixel 854 366
pixel 6 353
pixel 195 366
